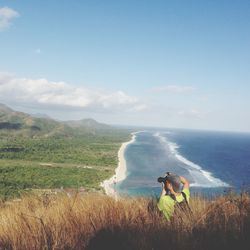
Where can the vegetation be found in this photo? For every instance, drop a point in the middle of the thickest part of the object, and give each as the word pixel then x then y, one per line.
pixel 100 222
pixel 89 150
pixel 19 177
pixel 28 163
pixel 40 153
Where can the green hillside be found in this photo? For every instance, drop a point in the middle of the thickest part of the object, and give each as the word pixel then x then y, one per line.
pixel 14 123
pixel 40 153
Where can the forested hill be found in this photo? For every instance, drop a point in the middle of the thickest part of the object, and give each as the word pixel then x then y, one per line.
pixel 41 153
pixel 21 124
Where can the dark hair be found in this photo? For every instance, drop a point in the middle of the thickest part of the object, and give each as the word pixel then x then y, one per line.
pixel 173 179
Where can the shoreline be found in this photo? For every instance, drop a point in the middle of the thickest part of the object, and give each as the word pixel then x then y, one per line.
pixel 120 171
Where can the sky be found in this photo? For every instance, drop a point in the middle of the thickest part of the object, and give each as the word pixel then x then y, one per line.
pixel 172 64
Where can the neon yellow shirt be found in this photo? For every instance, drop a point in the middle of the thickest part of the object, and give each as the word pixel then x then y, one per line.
pixel 166 204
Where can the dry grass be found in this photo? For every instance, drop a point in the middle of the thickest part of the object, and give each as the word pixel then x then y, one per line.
pixel 99 222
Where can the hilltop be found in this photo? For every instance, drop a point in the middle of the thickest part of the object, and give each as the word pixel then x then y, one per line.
pixel 96 221
pixel 22 124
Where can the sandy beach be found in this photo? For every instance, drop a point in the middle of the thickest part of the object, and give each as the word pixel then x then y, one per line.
pixel 120 171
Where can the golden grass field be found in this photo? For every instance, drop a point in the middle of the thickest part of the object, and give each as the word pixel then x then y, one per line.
pixel 96 221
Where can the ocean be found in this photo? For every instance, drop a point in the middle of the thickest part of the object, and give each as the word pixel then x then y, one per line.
pixel 213 162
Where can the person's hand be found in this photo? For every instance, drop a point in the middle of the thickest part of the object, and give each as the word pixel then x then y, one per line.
pixel 163 192
pixel 170 187
pixel 185 182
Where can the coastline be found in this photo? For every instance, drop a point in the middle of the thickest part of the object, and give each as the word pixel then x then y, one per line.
pixel 120 171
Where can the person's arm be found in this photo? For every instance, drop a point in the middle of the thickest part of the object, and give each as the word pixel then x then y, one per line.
pixel 185 182
pixel 163 192
pixel 170 188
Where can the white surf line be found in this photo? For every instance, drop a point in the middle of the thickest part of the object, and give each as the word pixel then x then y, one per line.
pixel 216 182
pixel 120 171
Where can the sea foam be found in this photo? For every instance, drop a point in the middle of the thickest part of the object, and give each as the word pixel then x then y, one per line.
pixel 201 177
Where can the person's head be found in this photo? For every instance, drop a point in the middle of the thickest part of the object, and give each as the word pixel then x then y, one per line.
pixel 171 179
pixel 174 180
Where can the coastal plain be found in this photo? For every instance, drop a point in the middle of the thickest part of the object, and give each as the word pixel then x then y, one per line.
pixel 41 154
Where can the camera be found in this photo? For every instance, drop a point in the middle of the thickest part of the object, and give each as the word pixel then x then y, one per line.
pixel 164 179
pixel 173 179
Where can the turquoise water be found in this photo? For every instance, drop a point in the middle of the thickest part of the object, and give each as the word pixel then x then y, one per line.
pixel 213 162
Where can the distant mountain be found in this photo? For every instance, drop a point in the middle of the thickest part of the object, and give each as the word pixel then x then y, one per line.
pixel 39 115
pixel 87 123
pixel 4 108
pixel 22 124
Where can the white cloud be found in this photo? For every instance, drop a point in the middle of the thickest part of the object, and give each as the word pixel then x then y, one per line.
pixel 173 89
pixel 6 16
pixel 39 93
pixel 5 77
pixel 140 107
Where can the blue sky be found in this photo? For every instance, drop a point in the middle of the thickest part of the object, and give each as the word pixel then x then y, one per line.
pixel 183 64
